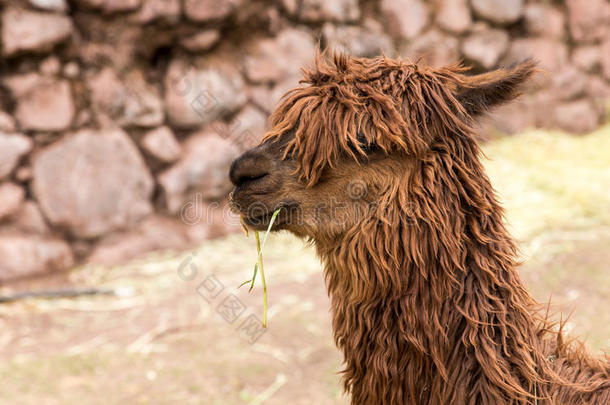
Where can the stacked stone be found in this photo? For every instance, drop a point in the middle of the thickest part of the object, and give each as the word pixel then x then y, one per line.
pixel 119 118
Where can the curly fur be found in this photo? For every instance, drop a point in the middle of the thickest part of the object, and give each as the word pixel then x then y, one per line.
pixel 427 304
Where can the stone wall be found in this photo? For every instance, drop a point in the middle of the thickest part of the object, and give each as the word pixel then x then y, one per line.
pixel 119 118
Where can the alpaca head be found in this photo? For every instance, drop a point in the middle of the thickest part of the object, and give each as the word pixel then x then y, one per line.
pixel 342 147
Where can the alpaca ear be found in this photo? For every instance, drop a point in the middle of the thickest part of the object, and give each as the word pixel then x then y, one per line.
pixel 480 93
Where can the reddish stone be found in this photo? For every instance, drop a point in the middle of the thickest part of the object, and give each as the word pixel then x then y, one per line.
pixel 587 57
pixel 499 11
pixel 588 19
pixel 266 97
pixel 162 144
pixel 324 10
pixel 91 183
pixel 52 5
pixel 154 233
pixel 291 6
pixel 43 103
pixel 29 219
pixel 120 6
pixel 205 10
pixel 510 118
pixel 454 15
pixel 405 18
pixel 71 70
pixel 198 96
pixel 24 30
pixel 201 41
pixel 128 102
pixel 51 66
pixel 272 60
pixel 202 170
pixel 11 197
pixel 26 255
pixel 577 117
pixel 248 127
pixel 552 55
pixel 211 220
pixel 367 41
pixel 569 83
pixel 434 48
pixel 12 148
pixel 152 10
pixel 486 47
pixel 605 57
pixel 544 20
pixel 7 123
pixel 598 89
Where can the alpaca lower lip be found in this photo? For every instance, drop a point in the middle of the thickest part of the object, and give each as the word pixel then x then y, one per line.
pixel 261 222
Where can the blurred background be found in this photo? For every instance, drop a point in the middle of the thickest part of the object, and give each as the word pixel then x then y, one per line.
pixel 118 123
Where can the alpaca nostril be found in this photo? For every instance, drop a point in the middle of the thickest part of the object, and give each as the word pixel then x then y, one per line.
pixel 247 178
pixel 248 168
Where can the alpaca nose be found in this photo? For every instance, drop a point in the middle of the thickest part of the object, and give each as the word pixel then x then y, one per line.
pixel 248 168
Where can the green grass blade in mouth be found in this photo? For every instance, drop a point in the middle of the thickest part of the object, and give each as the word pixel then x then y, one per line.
pixel 259 264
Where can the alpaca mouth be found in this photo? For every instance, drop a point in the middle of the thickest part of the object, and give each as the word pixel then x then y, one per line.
pixel 259 218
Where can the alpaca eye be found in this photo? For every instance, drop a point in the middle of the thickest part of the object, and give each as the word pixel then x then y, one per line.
pixel 364 145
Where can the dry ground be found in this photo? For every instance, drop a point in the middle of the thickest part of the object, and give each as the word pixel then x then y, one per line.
pixel 166 343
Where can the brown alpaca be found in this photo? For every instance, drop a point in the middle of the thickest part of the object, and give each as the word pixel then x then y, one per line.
pixel 375 162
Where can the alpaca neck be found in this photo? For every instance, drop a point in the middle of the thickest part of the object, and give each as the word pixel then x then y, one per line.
pixel 430 309
pixel 419 338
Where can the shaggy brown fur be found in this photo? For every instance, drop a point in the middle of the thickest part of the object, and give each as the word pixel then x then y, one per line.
pixel 427 304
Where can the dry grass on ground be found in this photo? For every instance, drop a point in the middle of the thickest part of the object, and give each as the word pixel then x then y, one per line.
pixel 166 344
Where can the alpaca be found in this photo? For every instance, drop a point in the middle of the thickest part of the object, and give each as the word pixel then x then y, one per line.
pixel 375 162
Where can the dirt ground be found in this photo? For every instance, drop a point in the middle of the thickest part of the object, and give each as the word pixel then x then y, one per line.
pixel 182 333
